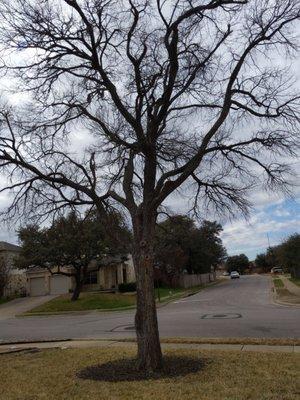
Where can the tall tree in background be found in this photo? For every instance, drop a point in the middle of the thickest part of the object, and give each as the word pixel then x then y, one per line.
pixel 262 261
pixel 73 242
pixel 290 254
pixel 285 255
pixel 174 94
pixel 172 245
pixel 207 250
pixel 237 263
pixel 181 245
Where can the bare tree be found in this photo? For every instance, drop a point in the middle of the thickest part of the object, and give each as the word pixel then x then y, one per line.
pixel 176 94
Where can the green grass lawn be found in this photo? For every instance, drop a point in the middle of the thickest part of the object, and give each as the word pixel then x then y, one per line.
pixel 96 301
pixel 106 301
pixel 226 375
pixel 2 301
pixel 87 301
pixel 278 283
pixel 173 293
pixel 296 281
pixel 168 292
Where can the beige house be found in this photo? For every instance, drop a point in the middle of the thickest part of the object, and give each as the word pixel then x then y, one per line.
pixel 105 275
pixel 17 278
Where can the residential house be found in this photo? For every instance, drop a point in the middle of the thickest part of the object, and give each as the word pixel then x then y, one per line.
pixel 17 278
pixel 104 275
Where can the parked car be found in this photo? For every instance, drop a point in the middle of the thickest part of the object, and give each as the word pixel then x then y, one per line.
pixel 277 270
pixel 234 275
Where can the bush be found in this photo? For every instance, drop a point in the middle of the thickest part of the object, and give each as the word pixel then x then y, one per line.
pixel 127 287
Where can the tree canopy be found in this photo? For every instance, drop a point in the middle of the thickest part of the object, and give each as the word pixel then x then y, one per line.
pixel 182 246
pixel 285 255
pixel 262 261
pixel 207 250
pixel 237 263
pixel 290 254
pixel 71 241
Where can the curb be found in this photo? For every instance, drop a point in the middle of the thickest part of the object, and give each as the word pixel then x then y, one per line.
pixel 277 301
pixel 188 294
pixel 34 346
pixel 79 312
pixel 104 310
pixel 8 343
pixel 186 341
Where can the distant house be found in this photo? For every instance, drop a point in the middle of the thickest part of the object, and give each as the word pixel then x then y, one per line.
pixel 17 278
pixel 221 269
pixel 104 275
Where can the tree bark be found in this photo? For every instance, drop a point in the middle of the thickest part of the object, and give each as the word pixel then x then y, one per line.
pixel 78 287
pixel 149 350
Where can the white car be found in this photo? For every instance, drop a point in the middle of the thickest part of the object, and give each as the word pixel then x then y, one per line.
pixel 276 270
pixel 234 275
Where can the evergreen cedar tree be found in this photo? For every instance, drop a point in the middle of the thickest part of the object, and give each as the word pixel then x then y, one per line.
pixel 172 95
pixel 181 246
pixel 285 255
pixel 74 242
pixel 237 263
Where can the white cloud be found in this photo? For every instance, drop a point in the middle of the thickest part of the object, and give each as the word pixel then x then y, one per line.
pixel 281 212
pixel 251 236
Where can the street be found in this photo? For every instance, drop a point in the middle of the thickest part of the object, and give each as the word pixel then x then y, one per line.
pixel 235 308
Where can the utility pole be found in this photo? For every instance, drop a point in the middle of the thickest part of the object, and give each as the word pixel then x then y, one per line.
pixel 268 241
pixel 271 252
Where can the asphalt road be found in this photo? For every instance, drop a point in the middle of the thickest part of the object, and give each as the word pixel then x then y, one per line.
pixel 236 308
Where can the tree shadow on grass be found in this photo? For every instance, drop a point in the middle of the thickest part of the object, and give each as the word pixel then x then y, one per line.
pixel 125 369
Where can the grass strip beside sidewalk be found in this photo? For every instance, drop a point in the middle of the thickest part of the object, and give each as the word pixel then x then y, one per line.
pixel 283 295
pixel 278 283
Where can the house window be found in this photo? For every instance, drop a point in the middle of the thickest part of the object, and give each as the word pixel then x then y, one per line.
pixel 91 278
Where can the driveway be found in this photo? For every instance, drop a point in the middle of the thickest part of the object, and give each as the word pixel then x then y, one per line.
pixel 21 305
pixel 236 308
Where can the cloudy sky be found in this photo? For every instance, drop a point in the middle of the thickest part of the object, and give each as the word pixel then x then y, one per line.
pixel 276 219
pixel 273 216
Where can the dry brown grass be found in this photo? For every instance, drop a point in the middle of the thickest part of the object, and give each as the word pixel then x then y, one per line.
pixel 51 375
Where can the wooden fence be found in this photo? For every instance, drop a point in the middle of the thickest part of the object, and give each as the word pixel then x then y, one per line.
pixel 187 281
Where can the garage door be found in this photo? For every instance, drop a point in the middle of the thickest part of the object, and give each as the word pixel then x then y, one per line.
pixel 37 287
pixel 59 284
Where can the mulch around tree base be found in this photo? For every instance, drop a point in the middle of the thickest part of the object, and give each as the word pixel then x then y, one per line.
pixel 125 369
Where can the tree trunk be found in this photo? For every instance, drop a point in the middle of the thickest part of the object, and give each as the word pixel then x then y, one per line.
pixel 78 287
pixel 149 350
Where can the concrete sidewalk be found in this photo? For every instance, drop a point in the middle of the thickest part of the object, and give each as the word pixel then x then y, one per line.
pixel 21 305
pixel 290 286
pixel 9 348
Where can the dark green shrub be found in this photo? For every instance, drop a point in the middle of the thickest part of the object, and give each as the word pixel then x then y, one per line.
pixel 127 287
